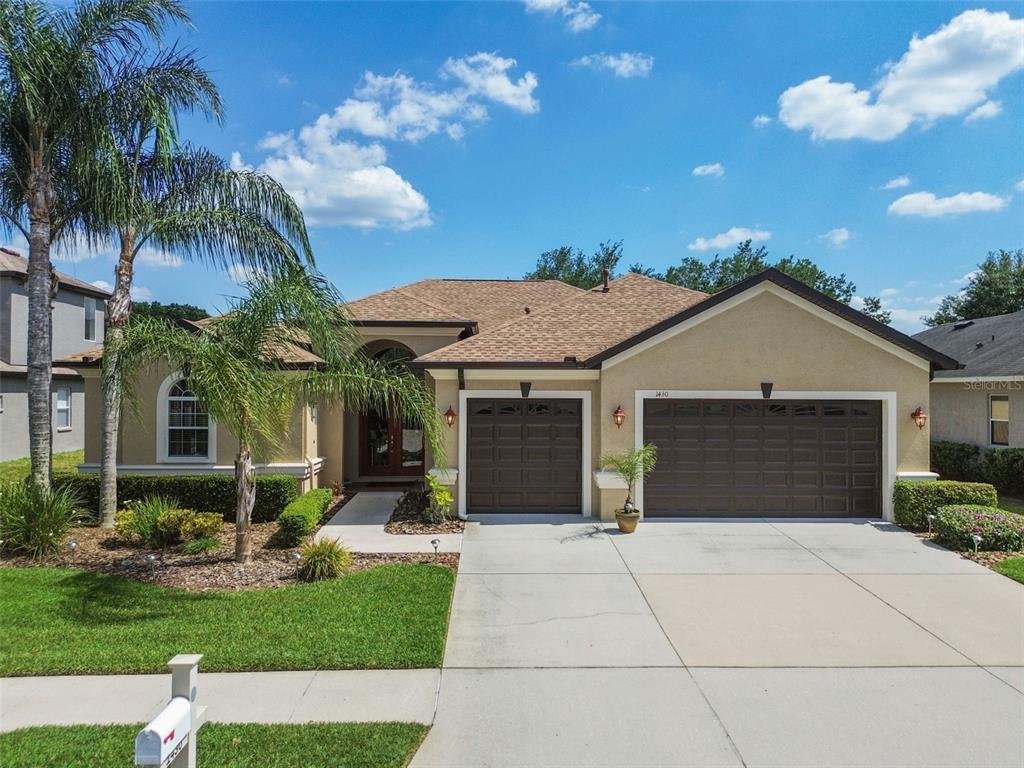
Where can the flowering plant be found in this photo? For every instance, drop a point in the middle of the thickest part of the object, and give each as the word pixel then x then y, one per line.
pixel 956 525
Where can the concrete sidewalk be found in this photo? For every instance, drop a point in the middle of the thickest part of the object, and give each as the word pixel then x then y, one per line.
pixel 406 695
pixel 359 525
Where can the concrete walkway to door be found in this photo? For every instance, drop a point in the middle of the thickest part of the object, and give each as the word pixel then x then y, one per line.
pixel 726 643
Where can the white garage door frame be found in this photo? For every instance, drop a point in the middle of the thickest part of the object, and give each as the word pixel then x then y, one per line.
pixel 888 400
pixel 583 395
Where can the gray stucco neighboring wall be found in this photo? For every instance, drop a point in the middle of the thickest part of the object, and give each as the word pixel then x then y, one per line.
pixel 959 411
pixel 68 322
pixel 14 418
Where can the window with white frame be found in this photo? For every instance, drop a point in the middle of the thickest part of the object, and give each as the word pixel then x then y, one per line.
pixel 999 419
pixel 188 425
pixel 90 318
pixel 63 407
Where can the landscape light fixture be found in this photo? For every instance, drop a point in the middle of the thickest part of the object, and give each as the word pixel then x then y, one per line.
pixel 977 540
pixel 920 417
pixel 619 416
pixel 435 543
pixel 73 549
pixel 931 521
pixel 449 416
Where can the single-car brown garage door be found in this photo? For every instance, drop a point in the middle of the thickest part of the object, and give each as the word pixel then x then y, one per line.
pixel 799 458
pixel 523 455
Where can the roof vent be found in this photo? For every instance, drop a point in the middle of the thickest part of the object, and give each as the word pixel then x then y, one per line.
pixel 979 345
pixel 569 359
pixel 526 310
pixel 962 324
pixel 607 277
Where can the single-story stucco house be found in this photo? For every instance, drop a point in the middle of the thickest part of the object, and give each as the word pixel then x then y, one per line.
pixel 982 404
pixel 768 398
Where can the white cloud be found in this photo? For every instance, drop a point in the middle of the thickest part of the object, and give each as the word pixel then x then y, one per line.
pixel 929 206
pixel 283 80
pixel 941 75
pixel 138 293
pixel 241 273
pixel 151 257
pixel 966 278
pixel 1019 186
pixel 712 169
pixel 760 121
pixel 624 65
pixel 889 292
pixel 897 183
pixel 732 236
pixel 837 237
pixel 579 15
pixel 486 75
pixel 986 111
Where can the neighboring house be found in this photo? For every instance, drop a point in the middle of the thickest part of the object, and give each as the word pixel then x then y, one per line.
pixel 77 325
pixel 982 404
pixel 766 399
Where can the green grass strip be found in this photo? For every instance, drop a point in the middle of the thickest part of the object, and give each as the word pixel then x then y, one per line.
pixel 314 745
pixel 64 621
pixel 1012 567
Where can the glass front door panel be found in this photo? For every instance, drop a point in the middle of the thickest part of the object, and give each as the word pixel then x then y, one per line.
pixel 412 447
pixel 378 442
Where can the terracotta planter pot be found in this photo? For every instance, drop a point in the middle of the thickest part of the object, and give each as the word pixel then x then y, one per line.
pixel 627 520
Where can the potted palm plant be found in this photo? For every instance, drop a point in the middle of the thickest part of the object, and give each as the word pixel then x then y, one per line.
pixel 630 466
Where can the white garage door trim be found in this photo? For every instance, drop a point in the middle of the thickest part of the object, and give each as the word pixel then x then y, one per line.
pixel 888 422
pixel 562 394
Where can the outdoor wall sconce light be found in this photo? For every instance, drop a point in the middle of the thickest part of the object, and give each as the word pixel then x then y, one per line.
pixel 524 388
pixel 920 417
pixel 449 416
pixel 618 416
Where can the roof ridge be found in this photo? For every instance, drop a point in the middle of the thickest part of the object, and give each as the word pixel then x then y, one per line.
pixel 642 276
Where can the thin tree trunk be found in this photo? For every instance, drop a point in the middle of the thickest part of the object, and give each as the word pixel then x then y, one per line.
pixel 40 337
pixel 115 318
pixel 245 485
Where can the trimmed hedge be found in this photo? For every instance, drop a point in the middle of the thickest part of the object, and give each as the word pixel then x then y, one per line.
pixel 1000 530
pixel 1002 467
pixel 915 500
pixel 203 493
pixel 302 516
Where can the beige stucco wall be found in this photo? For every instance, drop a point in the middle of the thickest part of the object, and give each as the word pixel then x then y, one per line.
pixel 959 411
pixel 766 339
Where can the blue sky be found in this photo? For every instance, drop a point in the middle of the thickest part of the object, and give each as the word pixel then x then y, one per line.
pixel 463 139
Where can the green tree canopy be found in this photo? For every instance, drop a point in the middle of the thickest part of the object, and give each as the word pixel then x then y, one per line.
pixel 573 266
pixel 996 288
pixel 172 311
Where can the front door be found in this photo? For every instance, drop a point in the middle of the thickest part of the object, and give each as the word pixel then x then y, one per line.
pixel 390 446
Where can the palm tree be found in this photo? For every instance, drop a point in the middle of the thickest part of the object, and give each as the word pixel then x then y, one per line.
pixel 238 367
pixel 631 466
pixel 61 69
pixel 186 201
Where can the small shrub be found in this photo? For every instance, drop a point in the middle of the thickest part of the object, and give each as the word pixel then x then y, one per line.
pixel 1004 468
pixel 439 501
pixel 326 559
pixel 955 525
pixel 202 525
pixel 955 461
pixel 915 500
pixel 34 521
pixel 412 502
pixel 205 493
pixel 159 522
pixel 302 516
pixel 200 546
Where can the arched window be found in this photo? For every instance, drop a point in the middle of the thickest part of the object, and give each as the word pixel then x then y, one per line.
pixel 188 425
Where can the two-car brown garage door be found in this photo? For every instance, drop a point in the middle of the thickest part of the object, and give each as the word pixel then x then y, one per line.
pixel 772 458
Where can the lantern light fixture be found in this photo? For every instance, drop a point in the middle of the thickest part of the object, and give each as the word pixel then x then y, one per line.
pixel 619 416
pixel 920 417
pixel 449 416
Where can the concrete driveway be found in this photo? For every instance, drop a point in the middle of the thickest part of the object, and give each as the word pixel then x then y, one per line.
pixel 726 643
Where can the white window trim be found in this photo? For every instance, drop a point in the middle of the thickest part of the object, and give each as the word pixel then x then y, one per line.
pixel 162 426
pixel 57 409
pixel 888 400
pixel 1006 420
pixel 582 395
pixel 90 303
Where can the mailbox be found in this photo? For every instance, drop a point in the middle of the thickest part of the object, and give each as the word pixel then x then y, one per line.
pixel 166 735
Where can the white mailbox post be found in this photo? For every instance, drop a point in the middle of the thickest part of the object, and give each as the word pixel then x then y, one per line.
pixel 169 740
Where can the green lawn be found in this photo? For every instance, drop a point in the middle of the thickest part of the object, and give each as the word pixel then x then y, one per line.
pixel 62 462
pixel 1012 567
pixel 315 745
pixel 1011 504
pixel 63 621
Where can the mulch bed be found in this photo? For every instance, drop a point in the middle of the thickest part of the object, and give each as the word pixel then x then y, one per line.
pixel 407 518
pixel 100 549
pixel 988 559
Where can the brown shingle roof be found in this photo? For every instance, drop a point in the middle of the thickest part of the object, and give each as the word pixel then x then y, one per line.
pixel 13 263
pixel 582 326
pixel 485 303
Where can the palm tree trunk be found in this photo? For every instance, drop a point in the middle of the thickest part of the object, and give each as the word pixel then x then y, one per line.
pixel 116 317
pixel 245 485
pixel 40 336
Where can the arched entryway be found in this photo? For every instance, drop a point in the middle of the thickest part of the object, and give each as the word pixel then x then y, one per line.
pixel 388 445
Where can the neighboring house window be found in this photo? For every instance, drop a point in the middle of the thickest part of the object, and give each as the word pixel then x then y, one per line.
pixel 90 318
pixel 63 407
pixel 188 425
pixel 999 419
